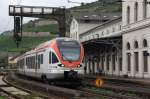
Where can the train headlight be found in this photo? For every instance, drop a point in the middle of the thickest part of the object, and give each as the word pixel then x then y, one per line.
pixel 60 65
pixel 79 66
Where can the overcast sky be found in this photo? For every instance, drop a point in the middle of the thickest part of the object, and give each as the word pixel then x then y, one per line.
pixel 6 22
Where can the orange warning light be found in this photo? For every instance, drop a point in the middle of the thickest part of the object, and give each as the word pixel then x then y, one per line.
pixel 99 82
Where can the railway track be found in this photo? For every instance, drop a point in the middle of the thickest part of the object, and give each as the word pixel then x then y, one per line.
pixel 127 89
pixel 11 91
pixel 35 90
pixel 66 93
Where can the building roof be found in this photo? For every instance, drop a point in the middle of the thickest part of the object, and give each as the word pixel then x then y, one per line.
pixel 102 25
pixel 98 16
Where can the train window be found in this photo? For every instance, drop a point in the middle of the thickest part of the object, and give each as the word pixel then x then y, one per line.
pixel 41 59
pixel 50 58
pixel 33 62
pixel 30 62
pixel 54 58
pixel 38 59
pixel 26 61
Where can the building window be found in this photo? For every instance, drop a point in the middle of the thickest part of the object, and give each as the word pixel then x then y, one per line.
pixel 113 29
pixel 102 33
pixel 145 61
pixel 136 61
pixel 136 45
pixel 107 31
pixel 128 15
pixel 129 61
pixel 144 8
pixel 136 12
pixel 128 46
pixel 120 27
pixel 145 43
pixel 76 35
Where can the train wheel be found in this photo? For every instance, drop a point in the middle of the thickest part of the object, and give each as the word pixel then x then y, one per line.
pixel 44 79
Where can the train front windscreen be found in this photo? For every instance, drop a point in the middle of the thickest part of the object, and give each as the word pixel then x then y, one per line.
pixel 70 50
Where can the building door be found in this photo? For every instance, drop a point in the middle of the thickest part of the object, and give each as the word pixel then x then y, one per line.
pixel 108 56
pixel 102 62
pixel 89 66
pixel 113 63
pixel 93 66
pixel 98 65
pixel 120 64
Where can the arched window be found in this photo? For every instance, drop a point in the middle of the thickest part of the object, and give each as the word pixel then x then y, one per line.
pixel 128 15
pixel 136 12
pixel 144 8
pixel 145 43
pixel 128 46
pixel 136 45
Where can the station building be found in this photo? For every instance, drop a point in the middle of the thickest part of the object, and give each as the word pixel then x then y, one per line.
pixel 120 47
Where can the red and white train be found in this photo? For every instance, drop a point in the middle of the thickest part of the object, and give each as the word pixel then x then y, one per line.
pixel 54 59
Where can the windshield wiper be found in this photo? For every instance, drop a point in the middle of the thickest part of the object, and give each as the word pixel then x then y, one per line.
pixel 66 58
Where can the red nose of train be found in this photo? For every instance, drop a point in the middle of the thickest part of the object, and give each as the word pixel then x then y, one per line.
pixel 72 65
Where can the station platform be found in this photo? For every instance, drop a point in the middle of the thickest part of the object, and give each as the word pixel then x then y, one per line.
pixel 141 81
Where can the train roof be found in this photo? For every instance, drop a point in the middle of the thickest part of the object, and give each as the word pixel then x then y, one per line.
pixel 45 45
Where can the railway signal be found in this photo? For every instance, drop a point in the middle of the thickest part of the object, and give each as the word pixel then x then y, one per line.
pixel 99 82
pixel 18 30
pixel 57 13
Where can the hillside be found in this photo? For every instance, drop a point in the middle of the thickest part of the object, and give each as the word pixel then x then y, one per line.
pixel 7 43
pixel 100 6
pixel 30 27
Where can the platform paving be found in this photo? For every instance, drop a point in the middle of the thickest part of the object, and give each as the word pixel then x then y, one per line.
pixel 1 81
pixel 14 91
pixel 10 89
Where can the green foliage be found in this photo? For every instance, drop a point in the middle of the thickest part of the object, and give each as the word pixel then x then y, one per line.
pixel 3 62
pixel 2 97
pixel 52 28
pixel 7 43
pixel 101 6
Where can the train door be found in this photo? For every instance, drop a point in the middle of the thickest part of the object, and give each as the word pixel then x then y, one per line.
pixel 39 62
pixel 114 63
pixel 53 61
